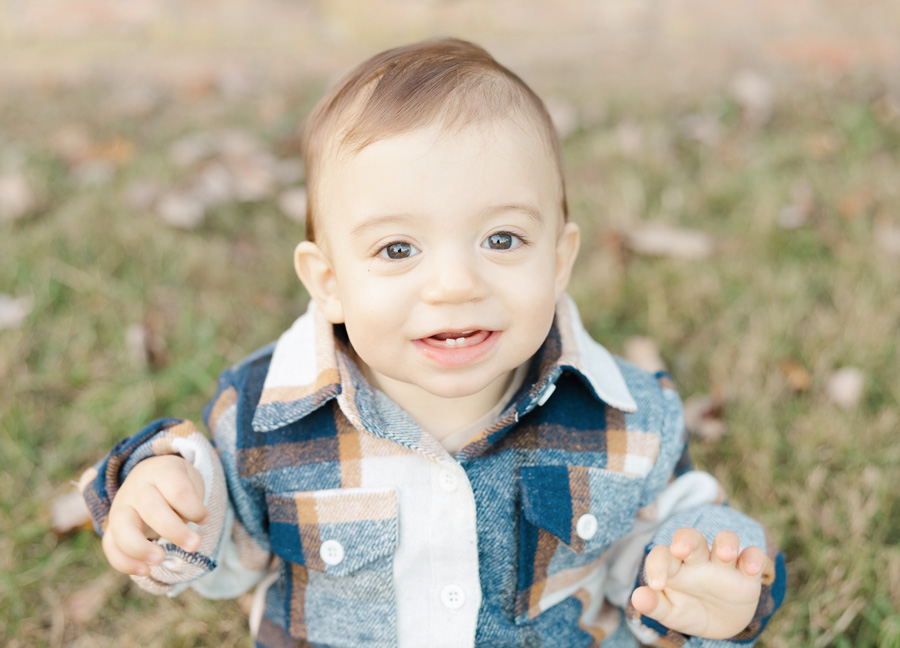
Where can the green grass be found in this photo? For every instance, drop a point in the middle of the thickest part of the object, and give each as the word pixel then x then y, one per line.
pixel 823 296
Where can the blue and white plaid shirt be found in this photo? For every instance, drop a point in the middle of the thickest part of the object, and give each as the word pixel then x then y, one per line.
pixel 361 531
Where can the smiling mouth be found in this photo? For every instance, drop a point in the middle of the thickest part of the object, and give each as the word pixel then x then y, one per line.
pixel 457 339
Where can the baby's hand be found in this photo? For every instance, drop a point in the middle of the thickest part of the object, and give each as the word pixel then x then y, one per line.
pixel 698 592
pixel 157 498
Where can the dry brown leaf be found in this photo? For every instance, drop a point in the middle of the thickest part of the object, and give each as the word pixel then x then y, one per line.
pixel 292 204
pixel 701 127
pixel 14 310
pixel 801 209
pixel 823 144
pixel 845 387
pixel 68 512
pixel 856 203
pixel 83 605
pixel 703 416
pixel 755 95
pixel 630 135
pixel 797 376
pixel 564 115
pixel 17 197
pixel 887 236
pixel 181 210
pixel 644 352
pixel 658 239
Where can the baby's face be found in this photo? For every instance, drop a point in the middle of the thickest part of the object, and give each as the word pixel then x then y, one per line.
pixel 448 252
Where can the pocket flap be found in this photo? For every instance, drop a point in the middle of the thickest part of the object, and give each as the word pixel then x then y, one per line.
pixel 586 508
pixel 333 531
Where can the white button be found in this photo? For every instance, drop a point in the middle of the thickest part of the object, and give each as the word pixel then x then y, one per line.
pixel 448 481
pixel 332 552
pixel 453 597
pixel 586 527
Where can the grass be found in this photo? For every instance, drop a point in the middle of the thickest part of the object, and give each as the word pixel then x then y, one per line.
pixel 822 296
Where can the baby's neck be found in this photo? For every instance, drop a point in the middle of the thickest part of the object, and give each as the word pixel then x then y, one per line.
pixel 452 421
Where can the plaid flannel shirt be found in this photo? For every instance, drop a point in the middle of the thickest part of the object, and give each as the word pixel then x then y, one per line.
pixel 360 530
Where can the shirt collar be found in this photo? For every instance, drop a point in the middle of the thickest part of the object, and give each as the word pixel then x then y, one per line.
pixel 306 368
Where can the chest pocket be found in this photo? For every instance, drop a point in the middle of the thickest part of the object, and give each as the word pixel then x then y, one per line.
pixel 569 516
pixel 337 548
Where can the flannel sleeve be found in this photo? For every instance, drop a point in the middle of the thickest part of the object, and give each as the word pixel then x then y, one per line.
pixel 228 560
pixel 689 499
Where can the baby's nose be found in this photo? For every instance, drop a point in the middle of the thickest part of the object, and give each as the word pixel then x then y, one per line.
pixel 453 279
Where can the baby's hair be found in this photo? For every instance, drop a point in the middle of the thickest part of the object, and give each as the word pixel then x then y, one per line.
pixel 448 81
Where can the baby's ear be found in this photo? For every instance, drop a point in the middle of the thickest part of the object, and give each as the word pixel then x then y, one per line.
pixel 566 251
pixel 314 269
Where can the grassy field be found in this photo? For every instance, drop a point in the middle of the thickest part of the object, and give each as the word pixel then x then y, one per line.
pixel 802 282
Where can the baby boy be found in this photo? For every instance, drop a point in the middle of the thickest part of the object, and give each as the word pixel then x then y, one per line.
pixel 437 453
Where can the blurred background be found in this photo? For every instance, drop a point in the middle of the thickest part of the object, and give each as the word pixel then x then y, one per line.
pixel 733 166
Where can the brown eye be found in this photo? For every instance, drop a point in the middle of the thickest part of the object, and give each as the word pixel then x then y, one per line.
pixel 502 241
pixel 398 250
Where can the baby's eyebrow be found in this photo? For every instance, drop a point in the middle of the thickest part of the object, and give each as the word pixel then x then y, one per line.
pixel 529 210
pixel 377 221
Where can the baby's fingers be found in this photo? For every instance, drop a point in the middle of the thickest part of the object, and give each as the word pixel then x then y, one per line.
pixel 752 560
pixel 725 548
pixel 125 546
pixel 690 546
pixel 660 566
pixel 158 514
pixel 183 492
pixel 650 603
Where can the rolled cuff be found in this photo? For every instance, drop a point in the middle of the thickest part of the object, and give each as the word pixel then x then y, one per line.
pixel 100 484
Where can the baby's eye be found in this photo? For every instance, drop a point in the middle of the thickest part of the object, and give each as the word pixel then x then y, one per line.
pixel 502 241
pixel 398 250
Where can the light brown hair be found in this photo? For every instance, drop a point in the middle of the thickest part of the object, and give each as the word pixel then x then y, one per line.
pixel 450 81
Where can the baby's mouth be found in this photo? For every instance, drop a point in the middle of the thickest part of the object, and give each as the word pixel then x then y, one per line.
pixel 457 339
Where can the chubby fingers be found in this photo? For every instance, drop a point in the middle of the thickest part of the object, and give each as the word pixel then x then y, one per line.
pixel 661 564
pixel 752 561
pixel 166 515
pixel 690 546
pixel 125 546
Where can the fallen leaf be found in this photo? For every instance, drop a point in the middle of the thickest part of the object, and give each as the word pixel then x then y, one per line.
pixel 845 387
pixel 703 416
pixel 214 185
pixel 564 116
pixel 658 239
pixel 801 208
pixel 14 310
pixel 181 210
pixel 68 512
pixel 702 128
pixel 191 149
pixel 755 95
pixel 17 197
pixel 630 135
pixel 254 176
pixel 145 343
pixel 797 376
pixel 292 204
pixel 141 194
pixel 83 605
pixel 887 236
pixel 823 144
pixel 644 352
pixel 856 203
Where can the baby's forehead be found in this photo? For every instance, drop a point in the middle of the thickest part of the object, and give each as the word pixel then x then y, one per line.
pixel 494 131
